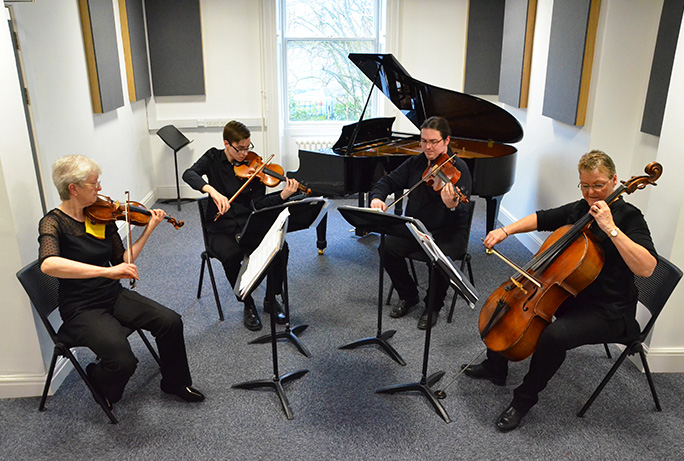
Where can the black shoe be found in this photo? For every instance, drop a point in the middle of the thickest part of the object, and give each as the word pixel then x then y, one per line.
pixel 187 393
pixel 423 321
pixel 480 371
pixel 403 308
pixel 250 318
pixel 89 372
pixel 279 314
pixel 509 419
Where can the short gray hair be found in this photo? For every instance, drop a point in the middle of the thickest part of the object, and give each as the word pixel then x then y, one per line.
pixel 72 169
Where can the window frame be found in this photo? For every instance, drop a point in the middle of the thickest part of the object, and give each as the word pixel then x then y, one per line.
pixel 379 44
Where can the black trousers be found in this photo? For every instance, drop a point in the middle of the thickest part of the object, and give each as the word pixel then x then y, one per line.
pixel 231 254
pixel 575 325
pixel 103 330
pixel 452 242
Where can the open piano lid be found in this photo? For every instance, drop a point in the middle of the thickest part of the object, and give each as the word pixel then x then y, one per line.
pixel 469 117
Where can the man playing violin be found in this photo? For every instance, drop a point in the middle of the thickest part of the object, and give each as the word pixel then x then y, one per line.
pixel 222 184
pixel 603 312
pixel 442 212
pixel 89 260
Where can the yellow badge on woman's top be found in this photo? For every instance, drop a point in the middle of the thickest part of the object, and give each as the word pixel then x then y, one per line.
pixel 96 230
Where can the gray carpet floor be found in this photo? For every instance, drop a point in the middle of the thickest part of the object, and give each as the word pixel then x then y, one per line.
pixel 337 414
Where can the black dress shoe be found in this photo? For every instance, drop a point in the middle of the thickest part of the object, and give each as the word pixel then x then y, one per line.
pixel 509 419
pixel 89 372
pixel 423 320
pixel 480 371
pixel 274 304
pixel 250 318
pixel 187 393
pixel 403 308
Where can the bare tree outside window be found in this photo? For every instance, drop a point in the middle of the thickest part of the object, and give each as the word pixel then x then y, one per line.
pixel 322 83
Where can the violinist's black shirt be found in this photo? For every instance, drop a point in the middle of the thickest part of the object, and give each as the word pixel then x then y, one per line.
pixel 219 172
pixel 424 203
pixel 61 235
pixel 613 293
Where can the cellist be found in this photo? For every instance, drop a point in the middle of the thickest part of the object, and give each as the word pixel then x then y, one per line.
pixel 604 311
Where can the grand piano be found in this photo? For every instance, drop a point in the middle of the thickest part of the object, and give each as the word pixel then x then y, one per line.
pixel 368 149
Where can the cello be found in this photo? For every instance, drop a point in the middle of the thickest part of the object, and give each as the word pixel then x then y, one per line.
pixel 515 314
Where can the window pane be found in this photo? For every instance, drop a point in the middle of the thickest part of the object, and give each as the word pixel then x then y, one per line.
pixel 322 83
pixel 330 18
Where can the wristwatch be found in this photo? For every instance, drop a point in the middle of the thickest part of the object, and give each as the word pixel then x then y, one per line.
pixel 614 233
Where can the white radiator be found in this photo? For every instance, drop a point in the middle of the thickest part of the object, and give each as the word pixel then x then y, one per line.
pixel 314 143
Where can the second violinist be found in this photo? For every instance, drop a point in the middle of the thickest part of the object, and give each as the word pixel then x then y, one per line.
pixel 443 212
pixel 218 165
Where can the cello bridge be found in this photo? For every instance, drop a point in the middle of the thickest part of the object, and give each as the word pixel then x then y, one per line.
pixel 519 285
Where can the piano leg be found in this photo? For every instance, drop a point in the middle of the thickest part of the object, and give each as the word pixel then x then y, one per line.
pixel 321 231
pixel 493 204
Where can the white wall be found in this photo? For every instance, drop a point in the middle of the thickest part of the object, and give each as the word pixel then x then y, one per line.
pixel 239 58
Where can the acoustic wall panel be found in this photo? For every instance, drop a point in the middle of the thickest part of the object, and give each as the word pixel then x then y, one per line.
pixel 571 55
pixel 483 47
pixel 516 53
pixel 661 68
pixel 174 34
pixel 135 49
pixel 99 37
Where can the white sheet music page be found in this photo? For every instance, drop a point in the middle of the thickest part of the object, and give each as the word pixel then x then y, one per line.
pixel 260 258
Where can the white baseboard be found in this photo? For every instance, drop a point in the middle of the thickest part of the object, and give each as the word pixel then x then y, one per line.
pixel 169 192
pixel 663 360
pixel 31 385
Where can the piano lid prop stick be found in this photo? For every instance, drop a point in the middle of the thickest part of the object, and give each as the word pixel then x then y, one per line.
pixel 256 172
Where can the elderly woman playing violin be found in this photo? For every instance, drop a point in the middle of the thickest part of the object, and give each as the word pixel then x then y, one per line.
pixel 605 310
pixel 442 210
pixel 226 219
pixel 89 260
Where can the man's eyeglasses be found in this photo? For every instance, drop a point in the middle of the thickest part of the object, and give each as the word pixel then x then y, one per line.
pixel 94 185
pixel 242 148
pixel 430 142
pixel 596 187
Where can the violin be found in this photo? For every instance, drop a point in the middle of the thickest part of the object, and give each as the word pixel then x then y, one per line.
pixel 437 176
pixel 516 313
pixel 442 172
pixel 270 174
pixel 105 211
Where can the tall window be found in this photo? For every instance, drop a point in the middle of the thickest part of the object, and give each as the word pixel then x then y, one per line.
pixel 321 83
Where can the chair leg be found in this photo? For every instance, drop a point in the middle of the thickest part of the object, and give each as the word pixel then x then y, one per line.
pixel 96 395
pixel 649 378
pixel 453 304
pixel 607 378
pixel 201 279
pixel 149 346
pixel 48 380
pixel 216 295
pixel 605 346
pixel 389 294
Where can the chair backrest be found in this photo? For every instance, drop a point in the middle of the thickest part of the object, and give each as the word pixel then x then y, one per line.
pixel 203 205
pixel 172 137
pixel 42 290
pixel 655 290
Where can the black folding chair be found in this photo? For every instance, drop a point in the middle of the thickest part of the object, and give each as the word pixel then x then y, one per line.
pixel 465 262
pixel 654 292
pixel 42 291
pixel 207 254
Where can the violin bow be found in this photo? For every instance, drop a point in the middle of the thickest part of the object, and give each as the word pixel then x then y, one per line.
pixel 252 176
pixel 128 234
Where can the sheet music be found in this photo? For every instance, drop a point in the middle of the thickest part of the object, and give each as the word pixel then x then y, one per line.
pixel 259 259
pixel 435 253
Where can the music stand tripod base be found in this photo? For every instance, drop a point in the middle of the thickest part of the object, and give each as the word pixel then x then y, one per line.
pixel 289 334
pixel 424 388
pixel 380 340
pixel 277 385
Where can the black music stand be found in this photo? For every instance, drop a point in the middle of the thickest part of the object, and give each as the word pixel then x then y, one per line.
pixel 370 220
pixel 303 214
pixel 437 261
pixel 254 269
pixel 176 141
